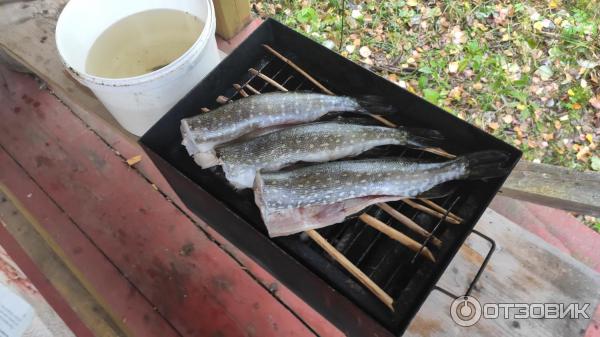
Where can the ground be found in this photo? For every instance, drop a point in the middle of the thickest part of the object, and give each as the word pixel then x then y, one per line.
pixel 525 71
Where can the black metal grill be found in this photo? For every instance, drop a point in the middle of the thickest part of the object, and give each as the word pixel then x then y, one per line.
pixel 403 274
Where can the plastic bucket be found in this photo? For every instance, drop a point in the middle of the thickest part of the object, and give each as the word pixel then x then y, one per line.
pixel 135 102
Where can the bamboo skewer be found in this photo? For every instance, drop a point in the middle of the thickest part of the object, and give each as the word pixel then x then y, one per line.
pixel 251 88
pixel 293 65
pixel 351 268
pixel 396 235
pixel 403 219
pixel 440 209
pixel 431 212
pixel 240 90
pixel 267 79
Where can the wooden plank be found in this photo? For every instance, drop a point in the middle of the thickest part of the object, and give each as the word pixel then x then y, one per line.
pixel 193 283
pixel 24 228
pixel 555 186
pixel 524 269
pixel 232 16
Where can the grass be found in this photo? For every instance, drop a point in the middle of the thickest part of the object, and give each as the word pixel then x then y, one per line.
pixel 527 72
pixel 523 71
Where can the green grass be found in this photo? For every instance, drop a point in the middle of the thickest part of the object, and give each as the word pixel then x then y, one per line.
pixel 523 71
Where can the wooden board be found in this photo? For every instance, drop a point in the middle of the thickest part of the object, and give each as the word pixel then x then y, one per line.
pixel 147 238
pixel 555 186
pixel 523 270
pixel 24 229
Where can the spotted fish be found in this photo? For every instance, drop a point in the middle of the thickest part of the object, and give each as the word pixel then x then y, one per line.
pixel 314 142
pixel 324 194
pixel 230 121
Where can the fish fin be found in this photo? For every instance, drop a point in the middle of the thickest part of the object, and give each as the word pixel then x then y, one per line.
pixel 440 191
pixel 485 164
pixel 422 138
pixel 374 105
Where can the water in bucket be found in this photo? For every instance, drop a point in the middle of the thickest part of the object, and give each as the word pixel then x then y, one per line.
pixel 143 42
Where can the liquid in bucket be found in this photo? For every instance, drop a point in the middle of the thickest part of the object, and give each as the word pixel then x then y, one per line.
pixel 142 43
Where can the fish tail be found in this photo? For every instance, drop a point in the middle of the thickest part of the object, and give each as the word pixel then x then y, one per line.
pixel 485 164
pixel 422 138
pixel 373 104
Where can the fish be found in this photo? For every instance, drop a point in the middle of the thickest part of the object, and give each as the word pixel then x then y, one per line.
pixel 203 132
pixel 292 201
pixel 313 142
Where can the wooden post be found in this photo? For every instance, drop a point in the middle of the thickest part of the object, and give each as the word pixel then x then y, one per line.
pixel 232 16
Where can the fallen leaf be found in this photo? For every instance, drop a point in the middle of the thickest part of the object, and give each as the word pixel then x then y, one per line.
pixel 539 26
pixel 493 125
pixel 452 67
pixel 458 36
pixel 356 14
pixel 590 138
pixel 356 42
pixel 412 3
pixel 508 119
pixel 544 72
pixel 328 44
pixel 364 51
pixel 134 160
pixel 478 86
pixel 350 48
pixel 576 106
pixel 595 102
pixel 583 153
pixel 557 125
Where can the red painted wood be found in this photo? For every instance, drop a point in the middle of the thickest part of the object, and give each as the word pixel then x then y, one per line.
pixel 42 284
pixel 228 46
pixel 128 305
pixel 205 292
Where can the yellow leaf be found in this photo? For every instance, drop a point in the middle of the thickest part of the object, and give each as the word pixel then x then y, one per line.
pixel 539 26
pixel 571 92
pixel 590 138
pixel 493 125
pixel 521 107
pixel 557 125
pixel 412 3
pixel 553 4
pixel 134 160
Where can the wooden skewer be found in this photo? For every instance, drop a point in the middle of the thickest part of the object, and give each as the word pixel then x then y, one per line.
pixel 351 268
pixel 240 90
pixel 441 209
pixel 403 219
pixel 222 99
pixel 267 79
pixel 293 65
pixel 396 235
pixel 251 88
pixel 431 212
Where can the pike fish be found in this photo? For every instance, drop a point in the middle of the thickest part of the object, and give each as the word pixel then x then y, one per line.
pixel 314 142
pixel 315 196
pixel 240 117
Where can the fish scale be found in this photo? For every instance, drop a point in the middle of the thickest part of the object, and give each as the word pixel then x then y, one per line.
pixel 203 132
pixel 333 182
pixel 315 142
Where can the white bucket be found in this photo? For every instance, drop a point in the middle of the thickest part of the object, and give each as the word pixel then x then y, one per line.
pixel 136 102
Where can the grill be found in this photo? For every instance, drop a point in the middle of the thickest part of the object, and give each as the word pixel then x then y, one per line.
pixel 290 61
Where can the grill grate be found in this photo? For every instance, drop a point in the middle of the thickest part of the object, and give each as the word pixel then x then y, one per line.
pixel 359 242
